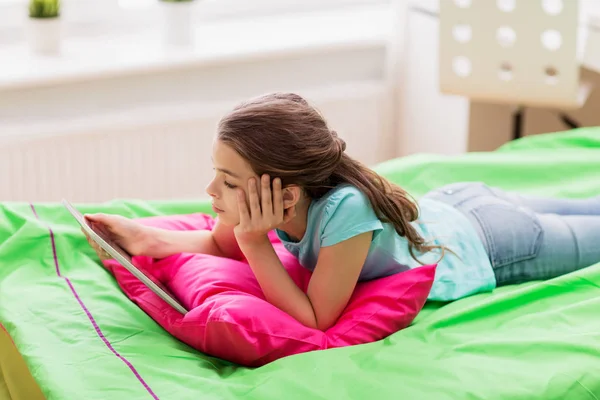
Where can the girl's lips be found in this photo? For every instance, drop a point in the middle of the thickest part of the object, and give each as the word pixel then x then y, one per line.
pixel 217 210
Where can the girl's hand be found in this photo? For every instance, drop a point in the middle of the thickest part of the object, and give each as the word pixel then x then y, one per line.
pixel 132 236
pixel 262 215
pixel 102 255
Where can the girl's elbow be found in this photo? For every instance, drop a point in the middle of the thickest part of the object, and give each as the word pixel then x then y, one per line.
pixel 320 322
pixel 310 320
pixel 323 326
pixel 324 323
pixel 317 326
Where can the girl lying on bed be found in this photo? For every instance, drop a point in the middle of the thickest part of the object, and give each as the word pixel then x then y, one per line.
pixel 279 166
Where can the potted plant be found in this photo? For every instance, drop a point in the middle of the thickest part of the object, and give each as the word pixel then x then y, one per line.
pixel 177 22
pixel 44 26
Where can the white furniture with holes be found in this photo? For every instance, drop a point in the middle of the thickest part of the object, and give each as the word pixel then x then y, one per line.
pixel 474 67
pixel 520 52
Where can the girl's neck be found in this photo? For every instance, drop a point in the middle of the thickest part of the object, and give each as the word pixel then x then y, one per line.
pixel 296 228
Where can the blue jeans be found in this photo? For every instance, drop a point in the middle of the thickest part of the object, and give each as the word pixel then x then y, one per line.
pixel 528 238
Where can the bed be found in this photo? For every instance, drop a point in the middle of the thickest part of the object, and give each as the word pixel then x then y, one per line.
pixel 68 332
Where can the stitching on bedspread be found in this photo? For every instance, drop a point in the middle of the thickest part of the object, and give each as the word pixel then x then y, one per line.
pixel 87 311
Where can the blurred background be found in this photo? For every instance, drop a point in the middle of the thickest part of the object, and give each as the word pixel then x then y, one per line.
pixel 105 99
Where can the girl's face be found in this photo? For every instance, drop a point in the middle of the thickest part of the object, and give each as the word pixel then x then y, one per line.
pixel 231 172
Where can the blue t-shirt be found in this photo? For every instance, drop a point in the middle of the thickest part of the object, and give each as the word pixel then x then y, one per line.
pixel 345 212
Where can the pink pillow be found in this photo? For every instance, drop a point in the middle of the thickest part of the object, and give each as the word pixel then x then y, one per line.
pixel 230 318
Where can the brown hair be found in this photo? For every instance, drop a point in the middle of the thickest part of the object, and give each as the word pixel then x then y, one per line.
pixel 280 134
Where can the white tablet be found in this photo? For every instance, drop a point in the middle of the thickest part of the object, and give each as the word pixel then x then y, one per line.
pixel 124 259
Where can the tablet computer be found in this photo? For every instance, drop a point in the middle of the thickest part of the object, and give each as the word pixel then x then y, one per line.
pixel 123 258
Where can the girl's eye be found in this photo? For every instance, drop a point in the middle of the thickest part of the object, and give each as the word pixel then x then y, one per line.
pixel 229 185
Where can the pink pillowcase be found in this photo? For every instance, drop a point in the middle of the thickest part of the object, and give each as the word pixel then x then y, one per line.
pixel 229 317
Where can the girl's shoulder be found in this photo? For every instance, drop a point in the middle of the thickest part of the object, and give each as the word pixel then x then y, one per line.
pixel 343 212
pixel 343 203
pixel 345 197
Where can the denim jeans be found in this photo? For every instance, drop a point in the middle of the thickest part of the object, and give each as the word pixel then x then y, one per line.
pixel 528 238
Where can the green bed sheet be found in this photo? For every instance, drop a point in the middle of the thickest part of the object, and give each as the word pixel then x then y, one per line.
pixel 82 339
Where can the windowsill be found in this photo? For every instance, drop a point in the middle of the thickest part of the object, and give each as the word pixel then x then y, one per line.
pixel 218 42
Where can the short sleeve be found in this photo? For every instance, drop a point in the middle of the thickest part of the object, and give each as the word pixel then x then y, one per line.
pixel 348 213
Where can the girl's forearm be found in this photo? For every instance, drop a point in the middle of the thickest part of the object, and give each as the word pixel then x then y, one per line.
pixel 163 242
pixel 279 289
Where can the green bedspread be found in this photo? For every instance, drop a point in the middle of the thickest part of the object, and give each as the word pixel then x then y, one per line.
pixel 82 339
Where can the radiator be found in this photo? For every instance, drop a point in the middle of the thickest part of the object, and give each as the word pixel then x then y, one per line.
pixel 153 162
pixel 160 155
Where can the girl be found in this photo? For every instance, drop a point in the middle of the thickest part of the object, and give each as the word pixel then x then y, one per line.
pixel 279 166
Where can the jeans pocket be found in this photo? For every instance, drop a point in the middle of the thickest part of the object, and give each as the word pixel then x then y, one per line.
pixel 512 233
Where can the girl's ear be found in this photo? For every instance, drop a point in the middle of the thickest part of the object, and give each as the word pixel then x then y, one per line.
pixel 291 196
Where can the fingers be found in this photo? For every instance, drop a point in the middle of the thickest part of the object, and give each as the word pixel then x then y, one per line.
pixel 101 223
pixel 265 208
pixel 277 199
pixel 101 229
pixel 99 218
pixel 266 195
pixel 103 255
pixel 253 199
pixel 242 207
pixel 90 240
pixel 107 220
